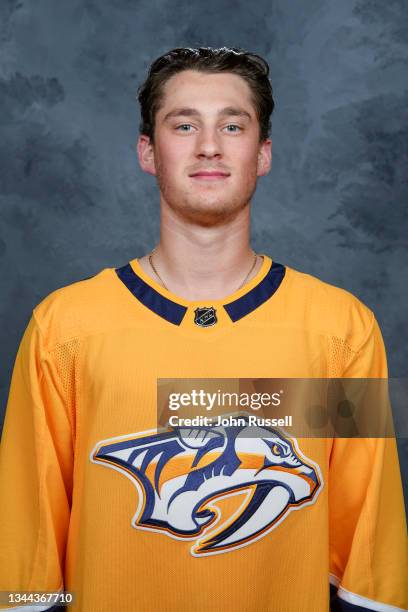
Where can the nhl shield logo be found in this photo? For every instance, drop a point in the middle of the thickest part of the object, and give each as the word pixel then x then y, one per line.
pixel 205 316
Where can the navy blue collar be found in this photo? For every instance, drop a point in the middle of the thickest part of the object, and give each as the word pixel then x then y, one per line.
pixel 257 295
pixel 174 312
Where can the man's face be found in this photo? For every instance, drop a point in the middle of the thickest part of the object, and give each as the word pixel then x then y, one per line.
pixel 207 123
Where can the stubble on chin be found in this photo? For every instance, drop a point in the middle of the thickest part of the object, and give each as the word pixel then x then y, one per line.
pixel 205 209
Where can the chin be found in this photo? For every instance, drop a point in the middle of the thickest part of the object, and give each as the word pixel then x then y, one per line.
pixel 209 213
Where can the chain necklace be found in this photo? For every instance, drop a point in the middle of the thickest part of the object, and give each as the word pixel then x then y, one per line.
pixel 164 285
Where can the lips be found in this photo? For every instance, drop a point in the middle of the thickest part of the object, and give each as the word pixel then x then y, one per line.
pixel 209 174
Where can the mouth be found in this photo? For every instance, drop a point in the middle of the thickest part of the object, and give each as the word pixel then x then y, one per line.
pixel 209 176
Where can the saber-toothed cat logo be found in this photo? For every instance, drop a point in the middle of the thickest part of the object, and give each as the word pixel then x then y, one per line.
pixel 222 487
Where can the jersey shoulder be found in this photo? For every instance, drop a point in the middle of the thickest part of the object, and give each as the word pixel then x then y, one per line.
pixel 80 308
pixel 329 309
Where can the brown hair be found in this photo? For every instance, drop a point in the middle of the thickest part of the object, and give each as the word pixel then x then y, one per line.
pixel 250 66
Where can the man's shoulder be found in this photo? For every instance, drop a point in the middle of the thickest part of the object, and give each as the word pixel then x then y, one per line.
pixel 328 308
pixel 75 309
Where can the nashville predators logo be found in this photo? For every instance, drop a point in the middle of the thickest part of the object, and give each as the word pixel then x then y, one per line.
pixel 222 488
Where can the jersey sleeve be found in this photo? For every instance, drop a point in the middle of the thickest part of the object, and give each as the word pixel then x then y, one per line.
pixel 36 464
pixel 367 521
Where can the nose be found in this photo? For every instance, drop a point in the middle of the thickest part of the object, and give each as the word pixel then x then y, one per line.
pixel 208 144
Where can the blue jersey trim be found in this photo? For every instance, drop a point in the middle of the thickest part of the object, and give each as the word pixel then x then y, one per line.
pixel 169 310
pixel 258 294
pixel 174 312
pixel 339 605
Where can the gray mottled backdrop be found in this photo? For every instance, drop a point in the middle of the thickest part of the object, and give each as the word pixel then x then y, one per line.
pixel 74 200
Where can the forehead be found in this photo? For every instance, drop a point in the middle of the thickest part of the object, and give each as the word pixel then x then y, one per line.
pixel 206 91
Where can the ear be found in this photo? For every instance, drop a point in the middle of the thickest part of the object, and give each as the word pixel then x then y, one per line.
pixel 264 157
pixel 145 153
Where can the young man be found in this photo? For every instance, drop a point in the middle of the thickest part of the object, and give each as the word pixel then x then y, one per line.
pixel 221 522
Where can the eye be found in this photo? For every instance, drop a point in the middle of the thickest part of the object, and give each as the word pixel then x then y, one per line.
pixel 276 450
pixel 184 125
pixel 232 125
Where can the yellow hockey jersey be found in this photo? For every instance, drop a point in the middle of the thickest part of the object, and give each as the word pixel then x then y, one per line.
pixel 83 399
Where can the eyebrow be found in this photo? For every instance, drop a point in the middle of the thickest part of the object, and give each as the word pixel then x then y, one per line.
pixel 230 111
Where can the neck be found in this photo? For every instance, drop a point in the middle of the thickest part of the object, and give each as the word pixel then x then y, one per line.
pixel 198 262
